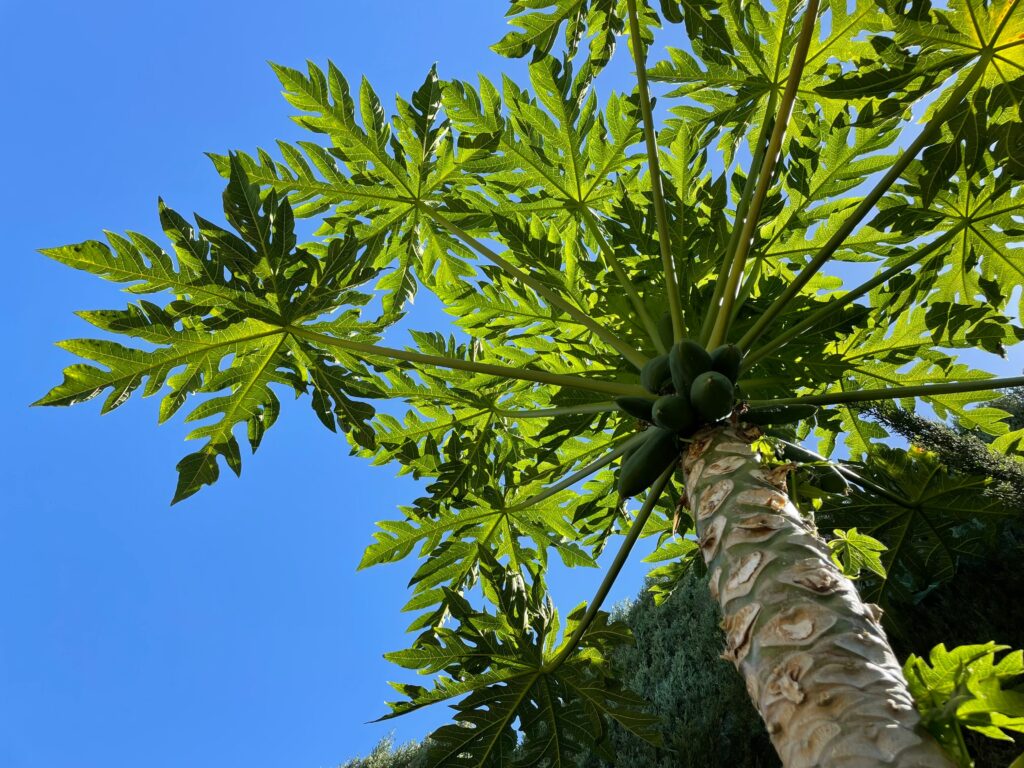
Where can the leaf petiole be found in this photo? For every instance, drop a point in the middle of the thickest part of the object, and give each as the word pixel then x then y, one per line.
pixel 624 447
pixel 892 393
pixel 817 318
pixel 675 306
pixel 741 214
pixel 491 369
pixel 613 570
pixel 864 208
pixel 853 476
pixel 568 410
pixel 764 178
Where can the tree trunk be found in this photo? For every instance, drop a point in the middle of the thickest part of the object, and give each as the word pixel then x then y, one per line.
pixel 814 657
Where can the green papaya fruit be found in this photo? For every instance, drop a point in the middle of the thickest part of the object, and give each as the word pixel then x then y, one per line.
pixel 712 395
pixel 654 376
pixel 687 360
pixel 674 412
pixel 665 329
pixel 778 414
pixel 726 360
pixel 648 461
pixel 640 407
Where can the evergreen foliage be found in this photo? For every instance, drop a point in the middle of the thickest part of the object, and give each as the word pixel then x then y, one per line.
pixel 972 607
pixel 387 755
pixel 707 718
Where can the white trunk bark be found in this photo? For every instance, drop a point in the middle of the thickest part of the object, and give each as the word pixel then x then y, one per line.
pixel 815 659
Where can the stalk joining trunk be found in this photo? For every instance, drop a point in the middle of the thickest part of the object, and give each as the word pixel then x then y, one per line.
pixel 814 657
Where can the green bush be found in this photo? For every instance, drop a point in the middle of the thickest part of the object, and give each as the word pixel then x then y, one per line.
pixel 709 721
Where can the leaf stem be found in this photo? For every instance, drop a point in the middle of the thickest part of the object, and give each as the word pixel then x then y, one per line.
pixel 613 570
pixel 746 289
pixel 624 447
pixel 634 356
pixel 675 306
pixel 627 285
pixel 817 318
pixel 521 374
pixel 568 410
pixel 865 207
pixel 764 177
pixel 892 393
pixel 862 481
pixel 741 213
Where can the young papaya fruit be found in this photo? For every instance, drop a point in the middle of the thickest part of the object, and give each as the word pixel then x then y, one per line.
pixel 712 395
pixel 726 360
pixel 665 329
pixel 648 461
pixel 778 414
pixel 674 412
pixel 640 407
pixel 654 376
pixel 687 360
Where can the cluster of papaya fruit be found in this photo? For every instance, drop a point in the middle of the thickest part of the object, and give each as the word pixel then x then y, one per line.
pixel 690 388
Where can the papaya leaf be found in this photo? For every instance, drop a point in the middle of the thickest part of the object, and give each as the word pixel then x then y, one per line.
pixel 502 661
pixel 540 22
pixel 853 552
pixel 223 338
pixel 965 687
pixel 927 518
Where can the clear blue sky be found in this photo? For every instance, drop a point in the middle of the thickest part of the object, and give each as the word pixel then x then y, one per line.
pixel 231 629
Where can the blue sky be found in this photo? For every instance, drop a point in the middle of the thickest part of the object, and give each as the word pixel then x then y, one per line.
pixel 231 629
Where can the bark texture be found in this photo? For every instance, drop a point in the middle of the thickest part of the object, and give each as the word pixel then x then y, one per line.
pixel 814 657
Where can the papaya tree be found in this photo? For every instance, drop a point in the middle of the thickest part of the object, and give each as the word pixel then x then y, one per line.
pixel 648 301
